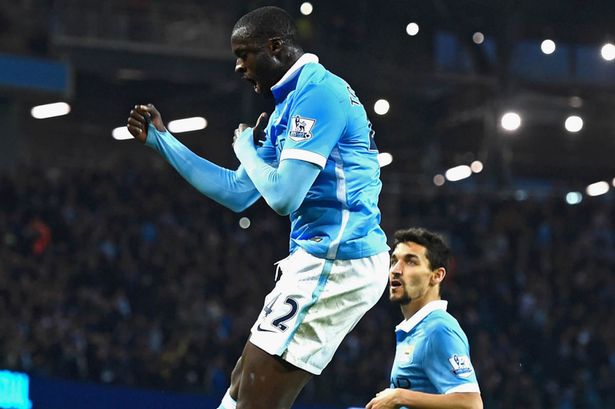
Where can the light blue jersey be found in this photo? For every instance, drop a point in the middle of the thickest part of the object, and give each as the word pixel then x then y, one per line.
pixel 432 354
pixel 319 119
pixel 318 131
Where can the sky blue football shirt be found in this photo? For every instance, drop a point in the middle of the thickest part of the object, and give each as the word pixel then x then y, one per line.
pixel 319 119
pixel 432 353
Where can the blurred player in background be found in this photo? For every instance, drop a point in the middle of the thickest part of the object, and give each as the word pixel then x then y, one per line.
pixel 315 160
pixel 432 367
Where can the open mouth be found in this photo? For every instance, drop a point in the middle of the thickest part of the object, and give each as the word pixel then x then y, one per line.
pixel 254 84
pixel 395 283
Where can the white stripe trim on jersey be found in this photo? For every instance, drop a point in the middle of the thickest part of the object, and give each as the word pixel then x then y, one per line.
pixel 303 155
pixel 407 325
pixel 464 388
pixel 341 196
pixel 304 59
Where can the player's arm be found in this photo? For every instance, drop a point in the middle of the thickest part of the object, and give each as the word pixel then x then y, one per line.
pixel 284 187
pixel 396 398
pixel 302 158
pixel 232 189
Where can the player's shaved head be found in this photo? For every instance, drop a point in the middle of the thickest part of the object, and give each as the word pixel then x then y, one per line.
pixel 265 23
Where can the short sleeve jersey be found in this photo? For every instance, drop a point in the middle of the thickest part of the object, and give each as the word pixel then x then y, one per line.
pixel 319 119
pixel 432 354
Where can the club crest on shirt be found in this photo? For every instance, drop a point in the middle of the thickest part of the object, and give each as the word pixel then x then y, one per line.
pixel 300 128
pixel 462 367
pixel 405 354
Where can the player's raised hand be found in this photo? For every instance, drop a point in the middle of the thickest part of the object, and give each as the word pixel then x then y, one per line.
pixel 258 132
pixel 139 118
pixel 259 128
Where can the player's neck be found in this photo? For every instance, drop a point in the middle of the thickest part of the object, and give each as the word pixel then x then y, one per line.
pixel 415 305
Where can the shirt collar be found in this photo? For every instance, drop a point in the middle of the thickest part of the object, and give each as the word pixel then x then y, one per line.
pixel 410 323
pixel 288 80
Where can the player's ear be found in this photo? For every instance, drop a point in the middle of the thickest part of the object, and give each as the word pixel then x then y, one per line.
pixel 438 275
pixel 275 45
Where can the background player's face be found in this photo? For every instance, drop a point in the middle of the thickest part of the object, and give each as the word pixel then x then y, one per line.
pixel 410 273
pixel 256 61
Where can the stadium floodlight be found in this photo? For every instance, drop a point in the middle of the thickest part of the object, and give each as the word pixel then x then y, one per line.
pixel 478 37
pixel 548 46
pixel 573 198
pixel 573 123
pixel 50 110
pixel 244 223
pixel 306 8
pixel 381 107
pixel 458 173
pixel 384 158
pixel 412 29
pixel 194 123
pixel 597 189
pixel 608 52
pixel 510 121
pixel 121 133
pixel 438 180
pixel 476 166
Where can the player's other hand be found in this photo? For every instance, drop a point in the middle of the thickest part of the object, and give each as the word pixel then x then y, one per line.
pixel 385 399
pixel 139 118
pixel 258 132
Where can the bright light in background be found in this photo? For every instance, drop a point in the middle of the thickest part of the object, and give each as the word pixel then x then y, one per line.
pixel 598 188
pixel 476 166
pixel 511 121
pixel 613 182
pixel 478 37
pixel 121 133
pixel 244 223
pixel 50 110
pixel 547 46
pixel 412 29
pixel 573 123
pixel 438 180
pixel 381 107
pixel 306 8
pixel 573 198
pixel 608 52
pixel 187 124
pixel 384 158
pixel 458 173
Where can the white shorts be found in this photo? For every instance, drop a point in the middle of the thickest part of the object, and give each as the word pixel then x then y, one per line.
pixel 315 303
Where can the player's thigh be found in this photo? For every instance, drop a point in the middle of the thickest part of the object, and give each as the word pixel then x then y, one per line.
pixel 267 381
pixel 236 379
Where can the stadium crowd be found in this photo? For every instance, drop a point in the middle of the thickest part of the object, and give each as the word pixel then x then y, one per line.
pixel 133 278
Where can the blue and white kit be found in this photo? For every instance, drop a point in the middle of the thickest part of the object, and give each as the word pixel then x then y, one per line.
pixel 319 165
pixel 432 354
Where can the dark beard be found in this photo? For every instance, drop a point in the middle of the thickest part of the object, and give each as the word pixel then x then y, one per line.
pixel 405 300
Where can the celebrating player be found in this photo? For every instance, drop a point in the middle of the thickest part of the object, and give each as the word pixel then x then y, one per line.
pixel 432 367
pixel 315 160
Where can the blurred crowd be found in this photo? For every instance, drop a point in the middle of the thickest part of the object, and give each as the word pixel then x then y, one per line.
pixel 131 277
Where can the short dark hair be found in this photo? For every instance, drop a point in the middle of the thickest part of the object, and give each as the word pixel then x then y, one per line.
pixel 268 22
pixel 437 252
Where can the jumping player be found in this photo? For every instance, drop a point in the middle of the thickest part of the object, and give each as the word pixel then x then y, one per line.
pixel 317 163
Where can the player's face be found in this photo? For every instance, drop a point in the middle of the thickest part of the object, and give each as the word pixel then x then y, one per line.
pixel 410 273
pixel 256 62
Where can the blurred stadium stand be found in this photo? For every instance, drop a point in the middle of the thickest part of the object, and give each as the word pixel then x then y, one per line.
pixel 114 271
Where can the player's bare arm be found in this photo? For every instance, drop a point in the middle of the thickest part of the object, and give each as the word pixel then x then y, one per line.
pixel 398 397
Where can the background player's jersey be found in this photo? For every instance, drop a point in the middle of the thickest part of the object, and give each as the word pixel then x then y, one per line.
pixel 319 119
pixel 432 353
